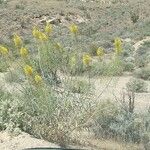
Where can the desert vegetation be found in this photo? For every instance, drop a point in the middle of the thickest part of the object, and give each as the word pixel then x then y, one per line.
pixel 56 81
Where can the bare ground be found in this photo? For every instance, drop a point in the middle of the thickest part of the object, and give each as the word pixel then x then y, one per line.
pixel 22 141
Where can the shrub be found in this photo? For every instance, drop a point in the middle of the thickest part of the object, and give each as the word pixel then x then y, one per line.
pixel 137 85
pixel 127 50
pixel 93 49
pixel 134 17
pixel 142 55
pixel 54 114
pixel 3 66
pixel 113 121
pixel 10 113
pixel 105 116
pixel 14 76
pixel 51 111
pixel 129 66
pixel 115 68
pixel 143 73
pixel 112 68
pixel 98 68
pixel 79 86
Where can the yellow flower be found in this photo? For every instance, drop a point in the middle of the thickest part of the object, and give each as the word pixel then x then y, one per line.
pixel 17 40
pixel 73 29
pixel 39 35
pixel 38 79
pixel 28 70
pixel 100 52
pixel 3 50
pixel 35 32
pixel 118 46
pixel 43 36
pixel 86 59
pixel 23 52
pixel 48 28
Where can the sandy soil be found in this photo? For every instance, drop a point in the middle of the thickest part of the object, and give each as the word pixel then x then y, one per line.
pixel 22 141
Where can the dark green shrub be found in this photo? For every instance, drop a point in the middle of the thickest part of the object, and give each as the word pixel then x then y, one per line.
pixel 136 85
pixel 113 121
pixel 3 66
pixel 79 86
pixel 10 113
pixel 134 17
pixel 143 73
pixel 142 55
pixel 129 66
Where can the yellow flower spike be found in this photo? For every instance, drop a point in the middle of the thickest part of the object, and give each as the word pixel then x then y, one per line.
pixel 86 59
pixel 17 40
pixel 118 46
pixel 3 50
pixel 48 28
pixel 39 35
pixel 38 79
pixel 28 70
pixel 23 52
pixel 43 36
pixel 100 52
pixel 35 32
pixel 73 29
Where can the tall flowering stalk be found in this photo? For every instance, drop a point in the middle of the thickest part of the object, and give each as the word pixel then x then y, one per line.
pixel 38 79
pixel 74 29
pixel 48 28
pixel 17 41
pixel 24 52
pixel 118 46
pixel 28 70
pixel 100 52
pixel 3 50
pixel 86 59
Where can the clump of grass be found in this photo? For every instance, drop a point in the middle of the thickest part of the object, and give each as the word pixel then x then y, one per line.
pixel 79 86
pixel 142 55
pixel 3 66
pixel 143 73
pixel 116 122
pixel 137 85
pixel 14 77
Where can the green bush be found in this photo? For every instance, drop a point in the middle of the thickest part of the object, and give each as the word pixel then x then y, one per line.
pixel 129 66
pixel 137 85
pixel 93 49
pixel 3 66
pixel 134 17
pixel 143 73
pixel 79 86
pixel 106 115
pixel 115 68
pixel 142 55
pixel 113 121
pixel 14 76
pixel 128 50
pixel 53 114
pixel 98 68
pixel 10 113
